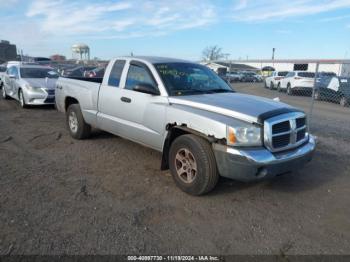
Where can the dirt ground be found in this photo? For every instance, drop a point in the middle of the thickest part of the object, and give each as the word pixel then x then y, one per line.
pixel 106 195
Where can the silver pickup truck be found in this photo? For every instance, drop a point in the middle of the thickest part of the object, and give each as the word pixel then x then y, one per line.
pixel 203 128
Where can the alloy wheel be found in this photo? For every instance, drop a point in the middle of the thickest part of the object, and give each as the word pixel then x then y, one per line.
pixel 73 122
pixel 186 165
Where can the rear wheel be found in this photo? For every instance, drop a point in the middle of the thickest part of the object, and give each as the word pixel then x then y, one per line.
pixel 272 86
pixel 193 165
pixel 76 124
pixel 4 95
pixel 344 102
pixel 21 99
pixel 289 90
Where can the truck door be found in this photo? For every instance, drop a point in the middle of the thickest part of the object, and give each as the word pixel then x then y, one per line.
pixel 132 114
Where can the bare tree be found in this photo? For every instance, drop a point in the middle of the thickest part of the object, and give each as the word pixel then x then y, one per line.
pixel 212 53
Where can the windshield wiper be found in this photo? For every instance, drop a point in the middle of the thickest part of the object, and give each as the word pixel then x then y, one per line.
pixel 220 90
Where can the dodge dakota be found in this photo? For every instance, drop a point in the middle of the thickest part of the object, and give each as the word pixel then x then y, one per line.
pixel 202 127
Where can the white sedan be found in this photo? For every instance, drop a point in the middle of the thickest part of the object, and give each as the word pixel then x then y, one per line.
pixel 30 85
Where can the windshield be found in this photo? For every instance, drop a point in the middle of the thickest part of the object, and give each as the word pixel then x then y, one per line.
pixel 188 79
pixel 38 73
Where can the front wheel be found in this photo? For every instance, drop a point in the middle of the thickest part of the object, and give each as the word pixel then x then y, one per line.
pixel 289 90
pixel 272 86
pixel 21 99
pixel 4 95
pixel 193 165
pixel 77 126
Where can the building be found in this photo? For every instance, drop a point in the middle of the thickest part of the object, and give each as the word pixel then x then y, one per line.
pixel 229 67
pixel 58 58
pixel 339 66
pixel 8 51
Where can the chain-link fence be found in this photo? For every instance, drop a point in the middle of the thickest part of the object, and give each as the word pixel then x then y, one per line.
pixel 320 87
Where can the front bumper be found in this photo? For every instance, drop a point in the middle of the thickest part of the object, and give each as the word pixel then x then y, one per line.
pixel 39 98
pixel 257 164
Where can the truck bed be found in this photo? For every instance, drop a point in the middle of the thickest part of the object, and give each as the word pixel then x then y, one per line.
pixel 88 79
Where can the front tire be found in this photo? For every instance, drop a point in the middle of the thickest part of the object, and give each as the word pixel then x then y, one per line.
pixel 272 86
pixel 193 165
pixel 77 126
pixel 21 99
pixel 4 95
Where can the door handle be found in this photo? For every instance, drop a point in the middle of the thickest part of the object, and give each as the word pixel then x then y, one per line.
pixel 125 99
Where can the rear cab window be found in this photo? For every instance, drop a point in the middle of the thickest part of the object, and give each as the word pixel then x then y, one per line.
pixel 116 72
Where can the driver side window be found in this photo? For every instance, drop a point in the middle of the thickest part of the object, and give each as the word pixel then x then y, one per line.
pixel 138 74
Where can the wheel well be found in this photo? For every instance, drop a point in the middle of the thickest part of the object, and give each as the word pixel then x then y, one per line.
pixel 173 133
pixel 70 101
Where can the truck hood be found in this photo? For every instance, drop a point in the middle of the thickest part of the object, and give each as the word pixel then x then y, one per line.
pixel 47 83
pixel 240 106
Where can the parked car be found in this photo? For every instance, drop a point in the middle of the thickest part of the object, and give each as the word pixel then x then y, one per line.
pixel 202 127
pixel 251 77
pixel 2 73
pixel 333 89
pixel 297 82
pixel 78 71
pixel 234 77
pixel 30 85
pixel 273 80
pixel 97 72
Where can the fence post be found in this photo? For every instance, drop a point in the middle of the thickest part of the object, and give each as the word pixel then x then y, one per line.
pixel 313 97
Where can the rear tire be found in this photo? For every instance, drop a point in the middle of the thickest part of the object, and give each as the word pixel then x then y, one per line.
pixel 77 126
pixel 289 90
pixel 272 86
pixel 192 164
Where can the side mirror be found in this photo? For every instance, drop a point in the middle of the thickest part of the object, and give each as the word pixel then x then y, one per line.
pixel 12 76
pixel 147 89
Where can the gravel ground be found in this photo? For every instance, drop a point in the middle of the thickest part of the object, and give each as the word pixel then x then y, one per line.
pixel 106 195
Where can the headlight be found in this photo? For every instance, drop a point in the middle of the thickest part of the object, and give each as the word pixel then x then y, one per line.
pixel 33 88
pixel 244 136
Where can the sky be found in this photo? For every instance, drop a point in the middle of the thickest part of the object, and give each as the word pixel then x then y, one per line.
pixel 182 28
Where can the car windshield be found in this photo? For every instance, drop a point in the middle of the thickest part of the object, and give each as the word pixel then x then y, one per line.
pixel 188 79
pixel 38 73
pixel 306 74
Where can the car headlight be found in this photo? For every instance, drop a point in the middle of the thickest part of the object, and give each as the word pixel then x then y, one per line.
pixel 244 135
pixel 33 88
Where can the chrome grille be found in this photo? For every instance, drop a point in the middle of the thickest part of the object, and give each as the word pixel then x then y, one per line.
pixel 285 131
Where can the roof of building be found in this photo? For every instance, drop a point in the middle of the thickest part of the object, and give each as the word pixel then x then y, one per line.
pixel 155 59
pixel 294 61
